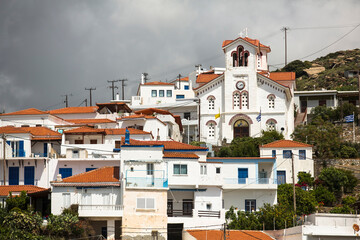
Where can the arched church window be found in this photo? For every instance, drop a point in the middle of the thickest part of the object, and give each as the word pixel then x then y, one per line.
pixel 236 99
pixel 244 100
pixel 271 99
pixel 211 130
pixel 246 56
pixel 271 125
pixel 235 59
pixel 211 103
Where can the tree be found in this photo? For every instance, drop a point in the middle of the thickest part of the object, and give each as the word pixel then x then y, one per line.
pixel 305 179
pixel 297 66
pixel 322 134
pixel 323 195
pixel 21 202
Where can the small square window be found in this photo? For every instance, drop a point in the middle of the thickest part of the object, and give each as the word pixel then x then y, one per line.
pixel 153 93
pixel 273 153
pixel 287 154
pixel 302 154
pixel 208 206
pixel 161 93
pixel 218 170
pixel 168 93
pixel 187 115
pixel 186 87
pixel 93 141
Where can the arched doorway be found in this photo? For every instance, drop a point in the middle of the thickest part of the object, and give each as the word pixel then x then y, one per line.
pixel 241 128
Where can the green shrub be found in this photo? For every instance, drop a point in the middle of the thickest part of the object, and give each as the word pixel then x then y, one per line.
pixel 322 194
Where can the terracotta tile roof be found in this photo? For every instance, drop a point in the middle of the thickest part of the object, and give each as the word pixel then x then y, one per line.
pixel 206 77
pixel 286 84
pixel 254 42
pixel 285 144
pixel 180 155
pixel 114 106
pixel 12 129
pixel 41 133
pixel 184 79
pixel 158 83
pixel 240 158
pixel 202 234
pixel 134 116
pixel 84 129
pixel 121 131
pixel 151 111
pixel 100 175
pixel 69 110
pixel 4 190
pixel 282 76
pixel 168 145
pixel 29 111
pixel 90 121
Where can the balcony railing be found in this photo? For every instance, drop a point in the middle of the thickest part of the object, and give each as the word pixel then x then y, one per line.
pixel 101 207
pixel 249 181
pixel 179 213
pixel 146 182
pixel 192 213
pixel 18 153
pixel 204 213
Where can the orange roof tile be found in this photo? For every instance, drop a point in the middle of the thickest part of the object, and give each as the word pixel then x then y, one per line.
pixel 158 83
pixel 202 234
pixel 285 144
pixel 254 42
pixel 12 129
pixel 151 111
pixel 121 131
pixel 180 155
pixel 69 110
pixel 4 190
pixel 41 133
pixel 90 121
pixel 206 77
pixel 114 106
pixel 100 175
pixel 137 116
pixel 107 131
pixel 85 129
pixel 282 76
pixel 168 145
pixel 283 83
pixel 29 111
pixel 184 79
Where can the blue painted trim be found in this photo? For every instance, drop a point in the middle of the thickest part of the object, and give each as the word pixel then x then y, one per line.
pixel 188 190
pixel 186 150
pixel 257 172
pixel 116 150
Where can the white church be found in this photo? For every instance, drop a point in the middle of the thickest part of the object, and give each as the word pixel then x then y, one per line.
pixel 244 98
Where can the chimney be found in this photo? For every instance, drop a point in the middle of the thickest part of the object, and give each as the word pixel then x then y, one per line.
pixel 142 78
pixel 117 97
pixel 58 178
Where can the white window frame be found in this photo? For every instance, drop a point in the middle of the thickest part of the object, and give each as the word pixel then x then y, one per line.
pixel 203 169
pixel 211 130
pixel 66 198
pixel 211 103
pixel 180 174
pixel 236 99
pixel 271 102
pixel 146 203
pixel 244 99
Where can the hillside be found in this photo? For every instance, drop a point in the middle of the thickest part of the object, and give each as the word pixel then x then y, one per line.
pixel 327 72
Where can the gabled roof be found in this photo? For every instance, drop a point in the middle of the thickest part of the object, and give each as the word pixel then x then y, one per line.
pixel 5 190
pixel 43 133
pixel 285 144
pixel 106 131
pixel 140 116
pixel 90 121
pixel 114 106
pixel 70 110
pixel 204 234
pixel 158 83
pixel 84 129
pixel 100 175
pixel 151 111
pixel 254 42
pixel 12 129
pixel 121 131
pixel 206 77
pixel 168 145
pixel 29 111
pixel 180 155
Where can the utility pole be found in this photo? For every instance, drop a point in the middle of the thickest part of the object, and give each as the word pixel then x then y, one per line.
pixel 66 99
pixel 113 87
pixel 4 156
pixel 145 77
pixel 199 120
pixel 224 231
pixel 285 31
pixel 90 89
pixel 123 87
pixel 179 78
pixel 294 192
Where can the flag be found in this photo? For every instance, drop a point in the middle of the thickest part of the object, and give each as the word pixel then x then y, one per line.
pixel 258 118
pixel 217 115
pixel 349 118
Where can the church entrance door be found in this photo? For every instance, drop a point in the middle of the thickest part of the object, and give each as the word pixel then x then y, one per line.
pixel 241 128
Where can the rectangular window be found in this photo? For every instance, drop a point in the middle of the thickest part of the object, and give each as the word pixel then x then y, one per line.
pixel 86 199
pixel 186 87
pixel 65 172
pixel 150 169
pixel 153 93
pixel 281 177
pixel 79 141
pixel 208 206
pixel 66 200
pixel 106 198
pixel 218 170
pixel 161 93
pixel 250 205
pixel 203 170
pixel 29 174
pixel 287 154
pixel 187 115
pixel 180 96
pixel 145 203
pixel 273 153
pixel 117 144
pixel 13 175
pixel 75 153
pixel 180 169
pixel 93 141
pixel 169 93
pixel 302 154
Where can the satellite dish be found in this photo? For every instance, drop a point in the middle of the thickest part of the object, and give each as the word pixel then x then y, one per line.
pixel 356 227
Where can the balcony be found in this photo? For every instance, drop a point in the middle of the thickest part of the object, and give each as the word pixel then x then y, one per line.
pixel 18 153
pixel 146 182
pixel 100 210
pixel 250 183
pixel 193 213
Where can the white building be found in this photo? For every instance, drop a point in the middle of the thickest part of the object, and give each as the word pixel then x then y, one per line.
pixel 242 92
pixel 286 151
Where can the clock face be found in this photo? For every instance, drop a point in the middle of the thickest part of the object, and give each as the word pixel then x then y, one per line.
pixel 240 85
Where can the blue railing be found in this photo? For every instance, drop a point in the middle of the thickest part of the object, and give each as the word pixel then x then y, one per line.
pixel 146 182
pixel 249 181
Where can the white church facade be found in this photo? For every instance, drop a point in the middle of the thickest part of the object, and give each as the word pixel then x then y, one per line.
pixel 245 98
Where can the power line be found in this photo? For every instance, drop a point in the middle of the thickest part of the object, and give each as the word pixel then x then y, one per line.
pixel 90 90
pixel 113 87
pixel 123 87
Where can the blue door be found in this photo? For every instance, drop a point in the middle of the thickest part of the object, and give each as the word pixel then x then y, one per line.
pixel 21 149
pixel 281 177
pixel 242 175
pixel 13 175
pixel 29 174
pixel 65 172
pixel 45 149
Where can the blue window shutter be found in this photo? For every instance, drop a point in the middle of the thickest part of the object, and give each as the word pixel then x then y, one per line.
pixel 45 149
pixel 13 175
pixel 29 174
pixel 65 172
pixel 242 175
pixel 273 153
pixel 21 149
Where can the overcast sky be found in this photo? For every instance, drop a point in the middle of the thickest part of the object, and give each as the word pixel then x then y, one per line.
pixel 51 48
